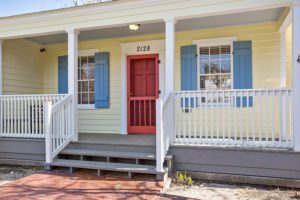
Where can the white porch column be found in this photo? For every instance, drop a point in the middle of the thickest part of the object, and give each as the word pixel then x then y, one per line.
pixel 73 76
pixel 296 74
pixel 170 65
pixel 170 54
pixel 1 66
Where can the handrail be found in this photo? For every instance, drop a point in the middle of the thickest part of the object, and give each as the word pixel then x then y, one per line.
pixel 59 126
pixel 164 128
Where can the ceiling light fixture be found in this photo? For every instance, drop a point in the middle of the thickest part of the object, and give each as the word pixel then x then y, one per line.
pixel 134 27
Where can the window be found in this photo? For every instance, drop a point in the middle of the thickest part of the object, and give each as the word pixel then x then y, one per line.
pixel 215 67
pixel 86 80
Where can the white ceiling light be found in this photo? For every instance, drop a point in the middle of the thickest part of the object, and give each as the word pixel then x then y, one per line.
pixel 134 27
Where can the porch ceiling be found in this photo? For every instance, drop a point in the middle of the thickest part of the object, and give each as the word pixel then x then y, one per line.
pixel 182 25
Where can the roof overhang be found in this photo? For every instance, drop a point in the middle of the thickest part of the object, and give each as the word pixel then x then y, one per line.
pixel 124 12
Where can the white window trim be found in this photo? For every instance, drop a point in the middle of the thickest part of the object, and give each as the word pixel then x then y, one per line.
pixel 212 42
pixel 87 52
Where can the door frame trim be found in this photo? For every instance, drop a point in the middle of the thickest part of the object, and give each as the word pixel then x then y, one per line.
pixel 129 48
pixel 135 57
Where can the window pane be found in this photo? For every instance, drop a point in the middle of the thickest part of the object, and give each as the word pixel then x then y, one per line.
pixel 92 98
pixel 209 82
pixel 84 61
pixel 85 86
pixel 92 86
pixel 85 98
pixel 226 82
pixel 204 53
pixel 79 98
pixel 215 53
pixel 91 73
pixel 83 72
pixel 204 67
pixel 225 66
pixel 79 87
pixel 215 67
pixel 225 52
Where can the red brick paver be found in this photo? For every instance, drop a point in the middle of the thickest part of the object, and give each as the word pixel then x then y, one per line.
pixel 80 185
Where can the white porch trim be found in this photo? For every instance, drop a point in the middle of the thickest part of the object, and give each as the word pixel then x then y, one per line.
pixel 1 66
pixel 296 75
pixel 73 77
pixel 156 46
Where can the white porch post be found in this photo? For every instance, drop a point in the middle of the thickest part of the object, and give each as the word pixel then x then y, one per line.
pixel 73 76
pixel 169 88
pixel 170 54
pixel 170 65
pixel 296 74
pixel 1 66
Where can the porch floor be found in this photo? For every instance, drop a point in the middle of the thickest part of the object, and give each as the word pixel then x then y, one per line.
pixel 118 139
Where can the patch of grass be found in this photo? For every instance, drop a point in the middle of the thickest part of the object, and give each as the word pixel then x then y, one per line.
pixel 181 178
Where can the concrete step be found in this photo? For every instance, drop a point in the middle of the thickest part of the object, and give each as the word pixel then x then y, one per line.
pixel 110 154
pixel 117 167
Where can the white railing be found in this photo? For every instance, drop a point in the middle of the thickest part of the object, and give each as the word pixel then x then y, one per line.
pixel 246 118
pixel 58 126
pixel 22 116
pixel 164 128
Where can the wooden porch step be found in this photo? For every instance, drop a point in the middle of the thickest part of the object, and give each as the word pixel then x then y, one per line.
pixel 117 167
pixel 111 154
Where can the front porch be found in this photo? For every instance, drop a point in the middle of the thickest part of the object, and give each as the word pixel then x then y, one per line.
pixel 203 94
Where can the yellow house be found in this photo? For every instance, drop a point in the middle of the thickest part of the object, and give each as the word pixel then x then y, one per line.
pixel 213 84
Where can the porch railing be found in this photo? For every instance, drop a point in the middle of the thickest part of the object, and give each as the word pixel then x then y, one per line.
pixel 58 126
pixel 22 116
pixel 247 118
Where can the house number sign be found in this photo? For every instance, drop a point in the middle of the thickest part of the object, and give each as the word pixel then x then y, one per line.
pixel 143 48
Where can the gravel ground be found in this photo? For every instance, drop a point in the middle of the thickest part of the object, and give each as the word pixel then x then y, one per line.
pixel 217 191
pixel 10 173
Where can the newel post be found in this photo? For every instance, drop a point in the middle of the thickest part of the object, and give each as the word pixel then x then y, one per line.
pixel 73 78
pixel 295 9
pixel 48 131
pixel 159 137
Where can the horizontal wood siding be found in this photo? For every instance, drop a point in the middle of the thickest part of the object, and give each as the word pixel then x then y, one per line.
pixel 289 56
pixel 22 67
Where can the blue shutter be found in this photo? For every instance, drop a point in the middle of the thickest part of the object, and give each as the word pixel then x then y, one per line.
pixel 188 71
pixel 242 69
pixel 102 80
pixel 63 74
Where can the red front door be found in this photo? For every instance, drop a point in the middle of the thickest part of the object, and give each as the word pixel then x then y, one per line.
pixel 142 92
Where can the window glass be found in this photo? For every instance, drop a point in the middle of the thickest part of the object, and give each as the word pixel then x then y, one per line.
pixel 215 67
pixel 86 80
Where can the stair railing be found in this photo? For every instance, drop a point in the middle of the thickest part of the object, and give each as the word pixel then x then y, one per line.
pixel 58 126
pixel 164 129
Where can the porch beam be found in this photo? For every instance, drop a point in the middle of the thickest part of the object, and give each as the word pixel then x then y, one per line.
pixel 296 74
pixel 73 76
pixel 1 66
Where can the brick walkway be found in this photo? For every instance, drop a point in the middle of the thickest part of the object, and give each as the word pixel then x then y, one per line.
pixel 80 185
